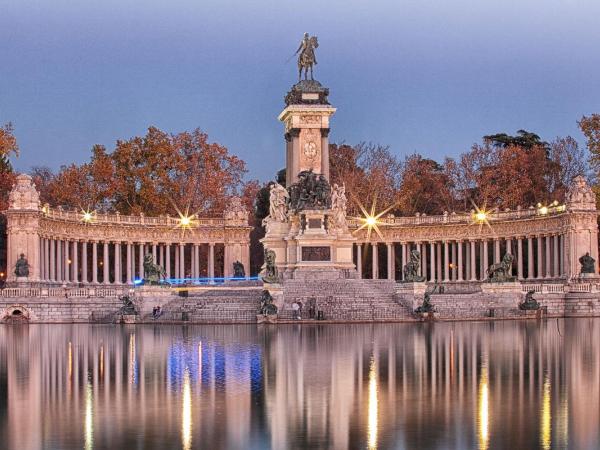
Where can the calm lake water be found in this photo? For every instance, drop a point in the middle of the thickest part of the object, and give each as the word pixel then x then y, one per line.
pixel 517 385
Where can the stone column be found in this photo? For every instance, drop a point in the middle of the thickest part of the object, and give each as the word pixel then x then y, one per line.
pixel 161 256
pixel 67 260
pixel 548 256
pixel 404 258
pixel 177 272
pixel 485 260
pixel 84 263
pixel 197 261
pixel 47 259
pixel 540 262
pixel 423 260
pixel 52 260
pixel 390 262
pixel 446 262
pixel 530 273
pixel 182 260
pixel 375 262
pixel 59 260
pixel 118 274
pixel 509 251
pixel 105 264
pixel 432 261
pixel 496 250
pixel 555 265
pixel 359 260
pixel 211 260
pixel 325 152
pixel 168 260
pixel 563 256
pixel 154 259
pixel 473 267
pixel 95 262
pixel 460 260
pixel 453 259
pixel 520 258
pixel 129 262
pixel 141 261
pixel 75 262
pixel 438 259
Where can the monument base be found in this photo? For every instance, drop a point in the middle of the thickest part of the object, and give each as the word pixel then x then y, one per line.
pixel 501 288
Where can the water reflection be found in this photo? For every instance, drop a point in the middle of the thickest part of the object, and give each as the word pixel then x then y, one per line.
pixel 445 385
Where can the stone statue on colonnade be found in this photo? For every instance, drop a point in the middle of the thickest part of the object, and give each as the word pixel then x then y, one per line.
pixel 22 267
pixel 411 268
pixel 153 273
pixel 500 272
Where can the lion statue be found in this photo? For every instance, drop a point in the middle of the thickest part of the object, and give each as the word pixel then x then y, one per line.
pixel 500 272
pixel 153 273
pixel 411 268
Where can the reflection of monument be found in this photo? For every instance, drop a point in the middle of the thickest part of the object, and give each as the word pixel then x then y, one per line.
pixel 306 227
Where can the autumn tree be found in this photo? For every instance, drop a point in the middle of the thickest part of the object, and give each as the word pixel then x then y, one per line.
pixel 426 187
pixel 370 172
pixel 152 174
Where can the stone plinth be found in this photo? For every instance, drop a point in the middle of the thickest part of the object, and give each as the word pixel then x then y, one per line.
pixel 147 297
pixel 509 287
pixel 411 294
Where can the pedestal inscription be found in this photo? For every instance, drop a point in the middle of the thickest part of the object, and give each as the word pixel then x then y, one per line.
pixel 316 253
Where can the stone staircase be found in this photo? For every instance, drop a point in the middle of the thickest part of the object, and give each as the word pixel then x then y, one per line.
pixel 352 300
pixel 212 306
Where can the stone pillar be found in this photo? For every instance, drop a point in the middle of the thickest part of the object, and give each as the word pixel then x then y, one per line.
pixel 424 260
pixel 84 263
pixel 563 256
pixel 509 251
pixel 497 250
pixel 390 262
pixel 161 256
pixel 530 258
pixel 105 264
pixel 460 260
pixel 548 256
pixel 168 260
pixel 59 260
pixel 446 262
pixel 520 258
pixel 375 261
pixel 453 259
pixel 129 262
pixel 118 273
pixel 211 260
pixel 404 258
pixel 555 265
pixel 486 260
pixel 182 260
pixel 52 260
pixel 141 261
pixel 75 262
pixel 67 261
pixel 359 259
pixel 47 256
pixel 438 259
pixel 177 272
pixel 325 152
pixel 473 265
pixel 95 262
pixel 540 262
pixel 154 259
pixel 432 276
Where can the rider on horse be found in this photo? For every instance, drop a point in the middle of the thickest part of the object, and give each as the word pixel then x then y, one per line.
pixel 306 55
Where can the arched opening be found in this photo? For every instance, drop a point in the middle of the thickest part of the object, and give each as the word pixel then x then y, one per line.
pixel 17 313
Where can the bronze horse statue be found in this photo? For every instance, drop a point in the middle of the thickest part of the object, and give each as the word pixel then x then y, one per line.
pixel 307 58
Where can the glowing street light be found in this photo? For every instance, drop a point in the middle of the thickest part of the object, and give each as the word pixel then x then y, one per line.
pixel 371 221
pixel 87 216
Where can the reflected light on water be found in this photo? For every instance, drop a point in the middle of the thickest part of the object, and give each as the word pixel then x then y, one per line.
pixel 70 360
pixel 200 362
pixel 546 416
pixel 186 412
pixel 483 408
pixel 101 361
pixel 89 417
pixel 373 405
pixel 132 358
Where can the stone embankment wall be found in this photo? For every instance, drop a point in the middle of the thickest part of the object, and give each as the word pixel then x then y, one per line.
pixel 340 301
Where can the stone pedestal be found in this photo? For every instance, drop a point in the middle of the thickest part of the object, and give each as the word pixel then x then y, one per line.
pixel 509 287
pixel 411 294
pixel 147 297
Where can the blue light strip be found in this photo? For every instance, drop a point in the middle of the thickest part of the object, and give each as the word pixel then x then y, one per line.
pixel 201 281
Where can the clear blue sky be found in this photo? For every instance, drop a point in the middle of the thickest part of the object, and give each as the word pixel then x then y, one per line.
pixel 419 75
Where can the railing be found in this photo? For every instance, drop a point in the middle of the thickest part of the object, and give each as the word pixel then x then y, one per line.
pixel 467 218
pixel 100 218
pixel 104 292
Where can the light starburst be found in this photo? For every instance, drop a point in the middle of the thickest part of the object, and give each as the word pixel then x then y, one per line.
pixel 186 221
pixel 482 216
pixel 371 221
pixel 87 216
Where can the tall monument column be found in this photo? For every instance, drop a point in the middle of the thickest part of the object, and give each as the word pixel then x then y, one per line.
pixel 306 119
pixel 23 216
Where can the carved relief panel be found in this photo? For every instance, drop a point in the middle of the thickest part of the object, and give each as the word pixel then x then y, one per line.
pixel 310 149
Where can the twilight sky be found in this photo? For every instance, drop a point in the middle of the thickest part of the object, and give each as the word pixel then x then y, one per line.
pixel 419 75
